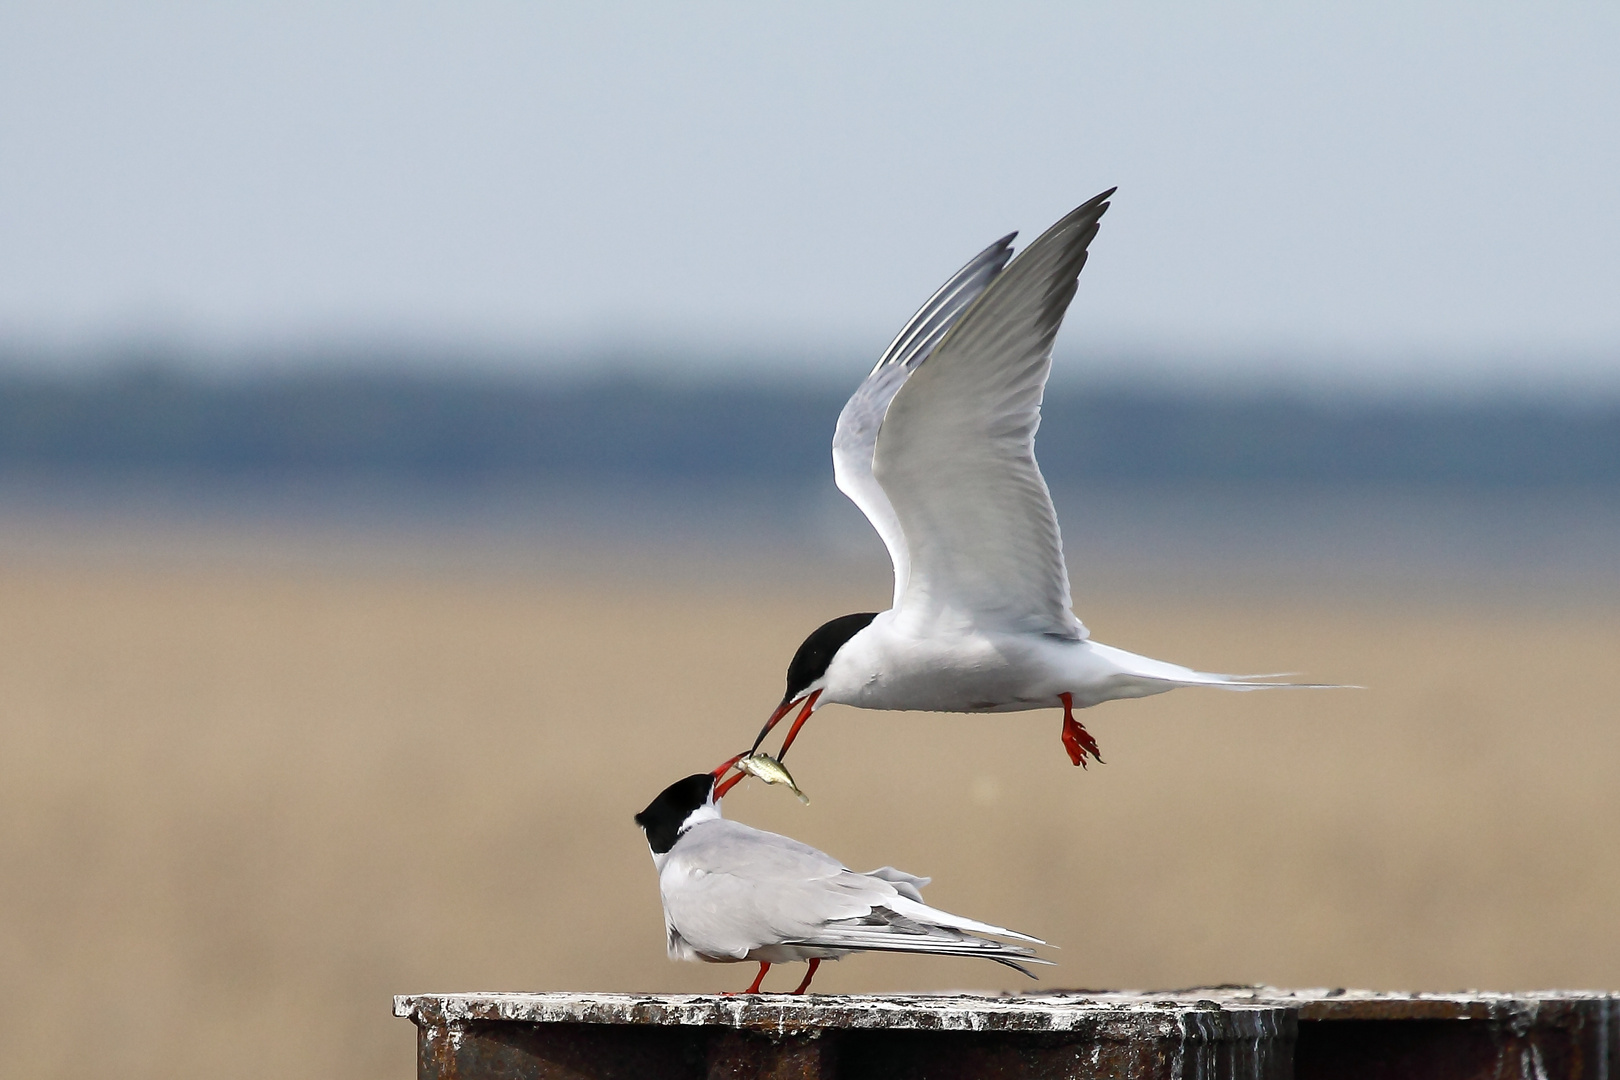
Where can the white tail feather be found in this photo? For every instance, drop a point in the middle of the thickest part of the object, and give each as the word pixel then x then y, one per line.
pixel 911 909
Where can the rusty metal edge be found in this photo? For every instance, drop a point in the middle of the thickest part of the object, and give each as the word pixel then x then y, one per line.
pixel 1514 1009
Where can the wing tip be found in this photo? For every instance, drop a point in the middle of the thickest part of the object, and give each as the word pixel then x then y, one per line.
pixel 1018 965
pixel 1092 209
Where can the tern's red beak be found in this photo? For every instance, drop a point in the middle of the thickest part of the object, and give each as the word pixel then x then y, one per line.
pixel 793 732
pixel 776 718
pixel 722 785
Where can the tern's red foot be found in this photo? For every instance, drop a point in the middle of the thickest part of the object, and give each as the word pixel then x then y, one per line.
pixel 1076 739
pixel 808 976
pixel 753 987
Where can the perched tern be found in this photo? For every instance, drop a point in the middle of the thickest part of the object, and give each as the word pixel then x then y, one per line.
pixel 937 448
pixel 734 894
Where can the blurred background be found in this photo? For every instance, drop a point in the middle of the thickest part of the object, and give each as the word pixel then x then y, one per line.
pixel 414 430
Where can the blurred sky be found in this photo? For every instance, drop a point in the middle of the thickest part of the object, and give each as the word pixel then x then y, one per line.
pixel 1369 190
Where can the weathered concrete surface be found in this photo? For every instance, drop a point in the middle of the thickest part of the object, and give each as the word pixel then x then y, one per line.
pixel 825 1036
pixel 1108 1015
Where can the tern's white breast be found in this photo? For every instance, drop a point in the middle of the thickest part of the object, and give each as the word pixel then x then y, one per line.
pixel 966 671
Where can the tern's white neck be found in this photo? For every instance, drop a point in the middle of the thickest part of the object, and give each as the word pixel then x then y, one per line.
pixel 709 811
pixel 860 660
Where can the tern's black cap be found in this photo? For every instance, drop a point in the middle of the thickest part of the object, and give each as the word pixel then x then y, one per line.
pixel 662 819
pixel 810 662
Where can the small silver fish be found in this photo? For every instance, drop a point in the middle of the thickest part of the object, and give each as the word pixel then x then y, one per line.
pixel 771 771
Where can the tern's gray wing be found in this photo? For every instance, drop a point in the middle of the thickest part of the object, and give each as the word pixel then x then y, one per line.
pixel 862 415
pixel 886 929
pixel 729 889
pixel 956 452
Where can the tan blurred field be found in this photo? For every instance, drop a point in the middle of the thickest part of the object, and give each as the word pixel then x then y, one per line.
pixel 239 808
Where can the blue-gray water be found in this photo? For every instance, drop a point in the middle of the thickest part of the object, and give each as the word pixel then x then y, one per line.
pixel 373 468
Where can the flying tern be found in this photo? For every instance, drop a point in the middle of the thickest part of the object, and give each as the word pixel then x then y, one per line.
pixel 733 894
pixel 937 448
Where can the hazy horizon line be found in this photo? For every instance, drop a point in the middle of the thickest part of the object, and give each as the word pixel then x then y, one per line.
pixel 1555 374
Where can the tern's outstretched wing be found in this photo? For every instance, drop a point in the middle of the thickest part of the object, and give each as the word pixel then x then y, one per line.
pixel 862 415
pixel 729 889
pixel 956 452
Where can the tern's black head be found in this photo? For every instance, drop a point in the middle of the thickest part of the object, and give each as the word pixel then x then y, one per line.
pixel 662 819
pixel 810 662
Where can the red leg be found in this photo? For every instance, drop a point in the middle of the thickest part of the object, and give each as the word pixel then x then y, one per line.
pixel 808 976
pixel 1076 739
pixel 753 987
pixel 804 714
